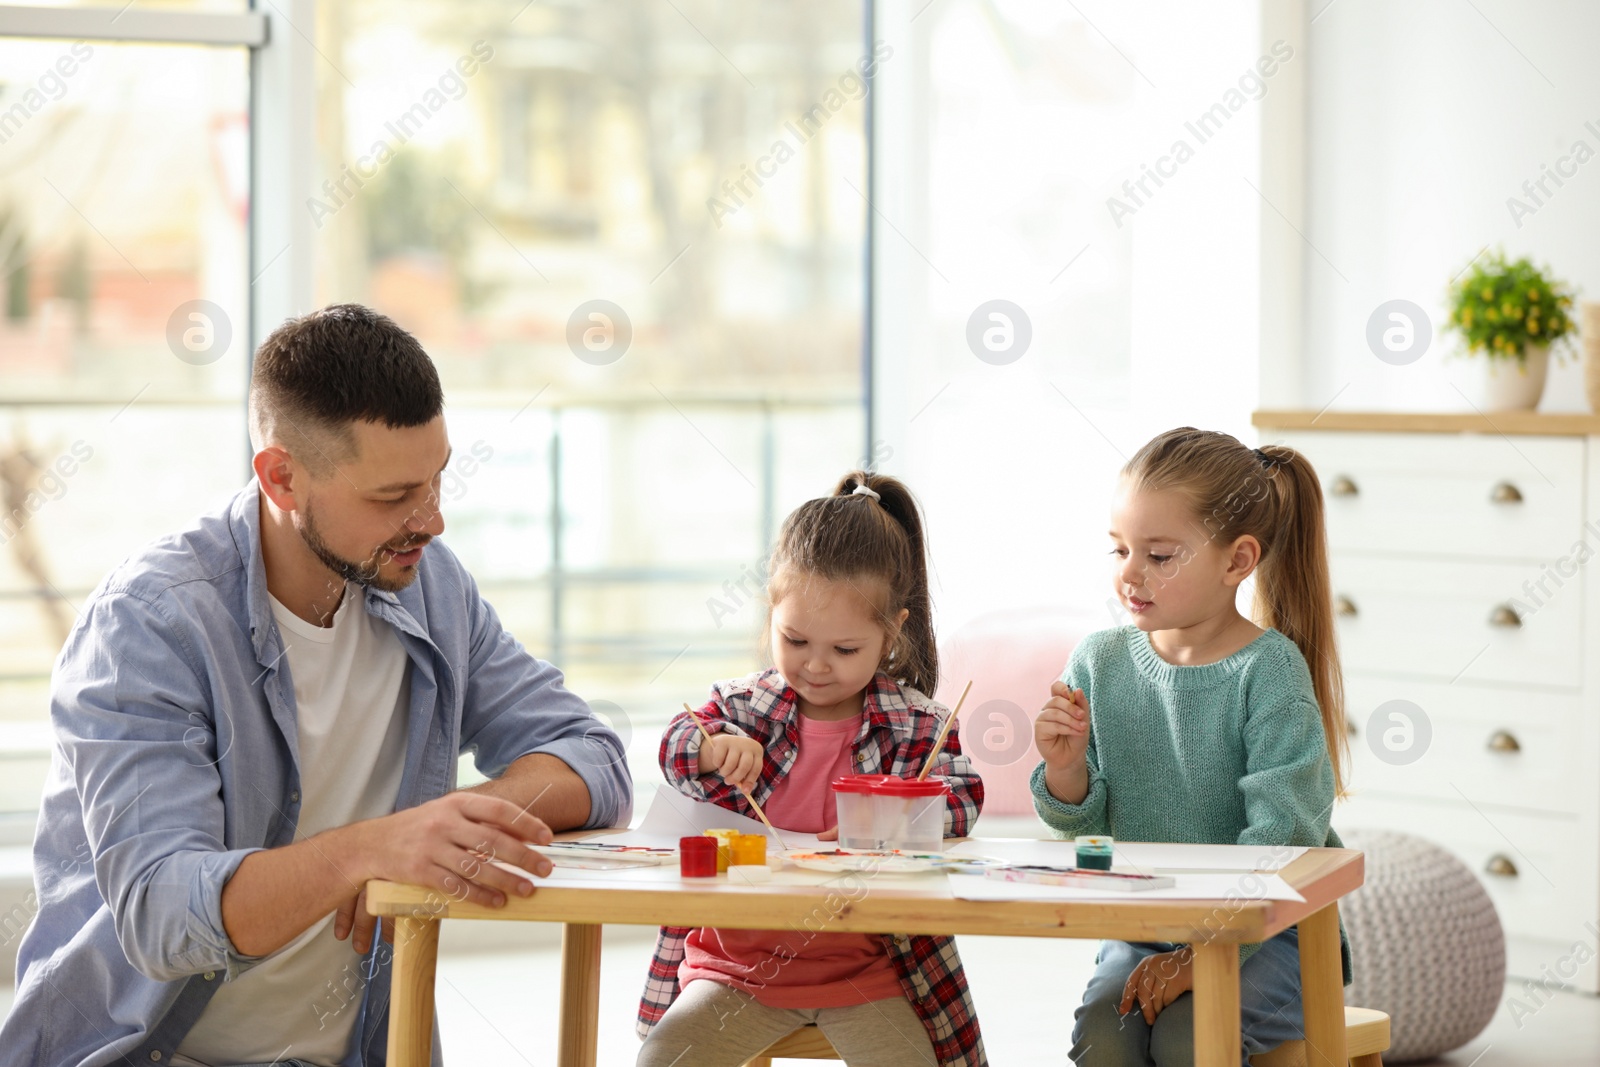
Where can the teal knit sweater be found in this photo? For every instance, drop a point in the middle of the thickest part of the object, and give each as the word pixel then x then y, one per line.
pixel 1231 752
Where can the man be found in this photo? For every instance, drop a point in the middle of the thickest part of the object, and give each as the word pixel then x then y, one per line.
pixel 256 716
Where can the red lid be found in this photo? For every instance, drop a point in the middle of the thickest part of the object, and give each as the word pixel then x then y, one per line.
pixel 910 787
pixel 859 783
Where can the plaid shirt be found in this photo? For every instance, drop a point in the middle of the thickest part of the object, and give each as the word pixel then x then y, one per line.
pixel 898 728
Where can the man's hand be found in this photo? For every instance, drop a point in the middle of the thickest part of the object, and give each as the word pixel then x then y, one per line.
pixel 736 759
pixel 1156 982
pixel 353 921
pixel 445 844
pixel 448 843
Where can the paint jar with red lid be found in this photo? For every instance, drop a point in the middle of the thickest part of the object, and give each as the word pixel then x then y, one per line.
pixel 881 811
pixel 697 857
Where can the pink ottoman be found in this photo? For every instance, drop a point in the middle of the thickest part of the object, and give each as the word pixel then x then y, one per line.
pixel 1011 658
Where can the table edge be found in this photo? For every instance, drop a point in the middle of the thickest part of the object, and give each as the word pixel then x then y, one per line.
pixel 1321 876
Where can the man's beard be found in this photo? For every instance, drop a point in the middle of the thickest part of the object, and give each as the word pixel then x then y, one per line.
pixel 365 573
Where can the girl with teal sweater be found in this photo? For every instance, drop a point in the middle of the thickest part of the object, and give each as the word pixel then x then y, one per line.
pixel 1194 724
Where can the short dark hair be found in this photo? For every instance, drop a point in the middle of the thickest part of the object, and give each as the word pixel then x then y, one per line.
pixel 315 375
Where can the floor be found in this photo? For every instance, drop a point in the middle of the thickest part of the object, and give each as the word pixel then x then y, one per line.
pixel 494 1010
pixel 498 1007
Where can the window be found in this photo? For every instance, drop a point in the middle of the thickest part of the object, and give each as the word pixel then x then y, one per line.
pixel 1005 132
pixel 123 200
pixel 647 315
pixel 630 234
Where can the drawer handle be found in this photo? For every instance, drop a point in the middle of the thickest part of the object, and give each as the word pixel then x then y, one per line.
pixel 1344 607
pixel 1504 741
pixel 1504 615
pixel 1343 486
pixel 1505 493
pixel 1500 866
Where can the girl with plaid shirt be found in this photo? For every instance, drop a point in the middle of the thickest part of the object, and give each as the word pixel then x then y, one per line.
pixel 850 630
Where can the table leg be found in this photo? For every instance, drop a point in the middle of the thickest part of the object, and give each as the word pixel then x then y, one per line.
pixel 1216 1004
pixel 1322 987
pixel 416 952
pixel 580 994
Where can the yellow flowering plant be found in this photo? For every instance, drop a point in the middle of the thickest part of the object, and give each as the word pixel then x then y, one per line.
pixel 1502 309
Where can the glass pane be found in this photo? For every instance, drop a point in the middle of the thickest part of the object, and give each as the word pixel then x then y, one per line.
pixel 123 270
pixel 630 234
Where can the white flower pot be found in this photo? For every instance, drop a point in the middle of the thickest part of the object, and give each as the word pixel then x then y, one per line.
pixel 1509 384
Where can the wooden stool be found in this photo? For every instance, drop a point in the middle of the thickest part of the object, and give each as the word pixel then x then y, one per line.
pixel 1366 1039
pixel 806 1043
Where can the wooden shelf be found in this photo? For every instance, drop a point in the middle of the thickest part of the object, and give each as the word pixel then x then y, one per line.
pixel 1498 422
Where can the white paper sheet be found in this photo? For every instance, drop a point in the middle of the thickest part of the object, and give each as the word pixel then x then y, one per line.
pixel 1140 856
pixel 673 815
pixel 932 886
pixel 1167 858
pixel 1244 885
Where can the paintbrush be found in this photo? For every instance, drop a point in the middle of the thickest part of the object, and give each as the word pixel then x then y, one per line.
pixel 938 743
pixel 749 796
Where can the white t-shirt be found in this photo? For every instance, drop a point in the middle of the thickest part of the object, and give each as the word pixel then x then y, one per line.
pixel 352 690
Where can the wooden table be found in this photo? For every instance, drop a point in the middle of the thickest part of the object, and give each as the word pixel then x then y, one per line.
pixel 1215 928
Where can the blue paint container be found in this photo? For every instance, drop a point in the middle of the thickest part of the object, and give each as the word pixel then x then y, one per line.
pixel 1094 852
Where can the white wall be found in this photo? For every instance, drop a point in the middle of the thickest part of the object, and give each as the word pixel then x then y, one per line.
pixel 1423 118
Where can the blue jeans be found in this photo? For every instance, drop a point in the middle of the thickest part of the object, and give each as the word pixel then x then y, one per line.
pixel 1269 1000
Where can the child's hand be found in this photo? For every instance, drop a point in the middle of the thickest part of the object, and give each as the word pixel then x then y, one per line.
pixel 1156 982
pixel 736 759
pixel 1061 732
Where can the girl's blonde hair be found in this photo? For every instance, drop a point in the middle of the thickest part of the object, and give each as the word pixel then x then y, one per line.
pixel 1271 493
pixel 877 542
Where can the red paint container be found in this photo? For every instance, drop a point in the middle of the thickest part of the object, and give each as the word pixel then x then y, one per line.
pixel 697 857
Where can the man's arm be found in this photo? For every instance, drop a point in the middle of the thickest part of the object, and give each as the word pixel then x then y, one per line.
pixel 545 787
pixel 276 894
pixel 514 704
pixel 539 785
pixel 137 732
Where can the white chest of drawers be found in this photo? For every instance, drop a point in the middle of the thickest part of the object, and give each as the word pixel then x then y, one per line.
pixel 1465 556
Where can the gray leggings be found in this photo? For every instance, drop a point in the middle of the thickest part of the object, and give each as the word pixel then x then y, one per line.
pixel 713 1025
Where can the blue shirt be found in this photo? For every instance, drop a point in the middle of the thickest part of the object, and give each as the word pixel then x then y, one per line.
pixel 175 757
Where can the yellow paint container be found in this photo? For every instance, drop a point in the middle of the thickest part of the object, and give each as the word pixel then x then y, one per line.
pixel 725 839
pixel 749 850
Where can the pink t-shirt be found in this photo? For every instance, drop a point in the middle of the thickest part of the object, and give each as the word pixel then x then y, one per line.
pixel 799 968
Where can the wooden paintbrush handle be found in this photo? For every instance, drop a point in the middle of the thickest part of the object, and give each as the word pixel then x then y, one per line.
pixel 938 743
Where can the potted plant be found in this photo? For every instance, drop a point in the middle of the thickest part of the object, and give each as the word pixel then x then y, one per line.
pixel 1511 314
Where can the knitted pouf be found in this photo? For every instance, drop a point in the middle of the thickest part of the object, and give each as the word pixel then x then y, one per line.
pixel 1427 944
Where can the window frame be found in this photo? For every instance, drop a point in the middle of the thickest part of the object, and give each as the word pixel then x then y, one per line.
pixel 282 123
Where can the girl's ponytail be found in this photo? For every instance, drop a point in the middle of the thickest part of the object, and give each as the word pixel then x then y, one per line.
pixel 1294 593
pixel 914 658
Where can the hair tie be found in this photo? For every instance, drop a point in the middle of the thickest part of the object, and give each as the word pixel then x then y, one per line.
pixel 1265 460
pixel 864 491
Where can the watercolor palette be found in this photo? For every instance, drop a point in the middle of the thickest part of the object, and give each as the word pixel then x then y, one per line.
pixel 590 856
pixel 888 861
